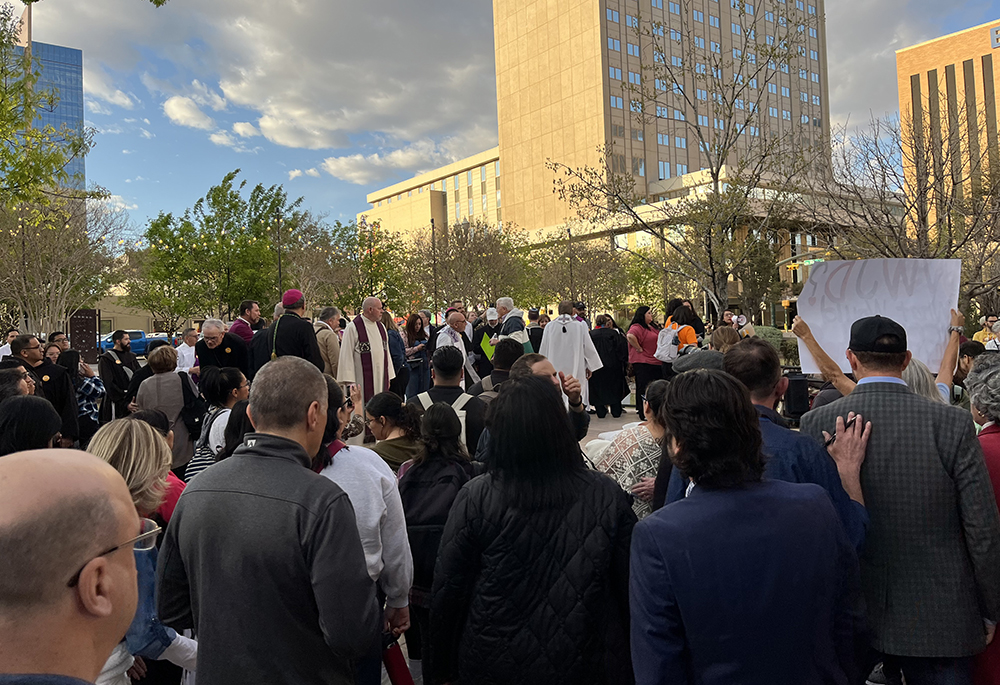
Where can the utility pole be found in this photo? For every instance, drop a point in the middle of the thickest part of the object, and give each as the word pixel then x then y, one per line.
pixel 569 250
pixel 434 267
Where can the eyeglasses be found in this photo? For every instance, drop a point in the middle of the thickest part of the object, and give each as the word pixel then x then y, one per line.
pixel 142 542
pixel 36 347
pixel 349 404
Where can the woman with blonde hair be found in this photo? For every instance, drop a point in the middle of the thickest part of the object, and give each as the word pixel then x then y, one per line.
pixel 143 459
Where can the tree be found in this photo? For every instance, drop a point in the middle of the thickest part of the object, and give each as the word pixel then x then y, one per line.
pixel 589 270
pixel 719 107
pixel 223 250
pixel 33 159
pixel 475 262
pixel 59 258
pixel 911 187
pixel 758 276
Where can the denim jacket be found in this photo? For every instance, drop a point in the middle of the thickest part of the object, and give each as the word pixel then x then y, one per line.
pixel 147 637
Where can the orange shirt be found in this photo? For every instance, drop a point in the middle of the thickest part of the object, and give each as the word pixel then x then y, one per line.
pixel 685 335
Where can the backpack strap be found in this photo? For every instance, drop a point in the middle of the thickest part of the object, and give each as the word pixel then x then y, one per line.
pixel 425 400
pixel 487 383
pixel 462 400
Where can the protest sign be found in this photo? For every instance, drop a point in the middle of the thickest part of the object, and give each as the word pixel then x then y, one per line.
pixel 919 294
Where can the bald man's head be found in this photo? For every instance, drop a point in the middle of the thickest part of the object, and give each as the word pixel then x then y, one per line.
pixel 58 510
pixel 457 320
pixel 371 309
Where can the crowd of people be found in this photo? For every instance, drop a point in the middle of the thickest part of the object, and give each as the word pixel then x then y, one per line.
pixel 286 503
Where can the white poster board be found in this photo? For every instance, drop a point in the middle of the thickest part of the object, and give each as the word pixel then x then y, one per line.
pixel 918 294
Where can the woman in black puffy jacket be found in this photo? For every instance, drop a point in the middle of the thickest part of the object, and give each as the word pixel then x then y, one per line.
pixel 531 582
pixel 428 488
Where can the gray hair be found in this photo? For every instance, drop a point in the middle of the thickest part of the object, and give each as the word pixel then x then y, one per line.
pixel 187 332
pixel 329 313
pixel 282 392
pixel 213 323
pixel 983 384
pixel 505 302
pixel 279 310
pixel 370 302
pixel 921 380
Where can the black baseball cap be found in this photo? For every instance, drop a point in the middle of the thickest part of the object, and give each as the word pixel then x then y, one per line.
pixel 580 305
pixel 868 335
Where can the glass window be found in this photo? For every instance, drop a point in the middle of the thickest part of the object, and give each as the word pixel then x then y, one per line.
pixel 786 115
pixel 713 21
pixel 662 139
pixel 617 102
pixel 785 92
pixel 612 15
pixel 678 115
pixel 680 143
pixel 664 170
pixel 703 120
pixel 715 47
pixel 699 16
pixel 633 77
pixel 737 29
pixel 633 49
pixel 682 169
pixel 614 44
pixel 638 166
pixel 631 22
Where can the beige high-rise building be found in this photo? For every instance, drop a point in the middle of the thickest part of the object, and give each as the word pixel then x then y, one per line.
pixel 564 71
pixel 950 84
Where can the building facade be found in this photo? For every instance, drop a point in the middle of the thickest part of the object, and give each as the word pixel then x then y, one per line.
pixel 62 71
pixel 948 103
pixel 581 78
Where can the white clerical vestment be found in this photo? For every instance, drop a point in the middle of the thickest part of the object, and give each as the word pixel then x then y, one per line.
pixel 350 369
pixel 449 337
pixel 567 344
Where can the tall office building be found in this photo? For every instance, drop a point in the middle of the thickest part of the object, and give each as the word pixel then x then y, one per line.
pixel 61 69
pixel 566 73
pixel 950 84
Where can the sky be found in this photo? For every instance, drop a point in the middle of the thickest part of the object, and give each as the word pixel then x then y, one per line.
pixel 334 99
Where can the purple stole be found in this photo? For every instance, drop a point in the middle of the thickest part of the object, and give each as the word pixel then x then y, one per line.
pixel 365 349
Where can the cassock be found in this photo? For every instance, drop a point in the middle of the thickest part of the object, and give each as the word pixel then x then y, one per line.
pixel 356 353
pixel 567 344
pixel 449 337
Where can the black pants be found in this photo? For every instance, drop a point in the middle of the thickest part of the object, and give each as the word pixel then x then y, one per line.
pixel 602 409
pixel 644 375
pixel 398 384
pixel 418 637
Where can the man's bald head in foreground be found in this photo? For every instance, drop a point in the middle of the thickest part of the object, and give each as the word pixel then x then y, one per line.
pixel 59 509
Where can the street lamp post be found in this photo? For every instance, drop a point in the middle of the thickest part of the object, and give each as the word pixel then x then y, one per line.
pixel 281 221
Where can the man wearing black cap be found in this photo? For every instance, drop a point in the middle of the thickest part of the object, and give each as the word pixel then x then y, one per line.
pixel 534 330
pixel 580 313
pixel 930 568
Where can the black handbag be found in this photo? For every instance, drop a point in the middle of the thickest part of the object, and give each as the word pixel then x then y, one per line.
pixel 194 409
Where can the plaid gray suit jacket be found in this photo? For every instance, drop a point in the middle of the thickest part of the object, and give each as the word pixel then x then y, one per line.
pixel 930 568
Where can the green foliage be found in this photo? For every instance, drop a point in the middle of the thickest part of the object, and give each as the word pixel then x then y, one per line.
pixel 33 159
pixel 771 335
pixel 373 259
pixel 789 352
pixel 221 251
pixel 476 262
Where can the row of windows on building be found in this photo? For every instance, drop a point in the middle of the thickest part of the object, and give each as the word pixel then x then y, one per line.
pixel 703 120
pixel 699 16
pixel 455 184
pixel 745 7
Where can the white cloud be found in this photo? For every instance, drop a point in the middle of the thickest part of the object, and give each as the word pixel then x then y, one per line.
pixel 294 174
pixel 412 159
pixel 206 97
pixel 95 107
pixel 127 152
pixel 146 134
pixel 245 129
pixel 312 172
pixel 183 111
pixel 97 83
pixel 225 139
pixel 119 203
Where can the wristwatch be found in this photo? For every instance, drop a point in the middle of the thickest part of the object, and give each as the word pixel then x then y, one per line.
pixel 956 329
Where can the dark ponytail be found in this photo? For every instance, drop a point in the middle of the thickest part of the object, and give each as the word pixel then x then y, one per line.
pixel 403 416
pixel 216 384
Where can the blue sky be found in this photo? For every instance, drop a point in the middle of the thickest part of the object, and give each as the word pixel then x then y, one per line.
pixel 334 99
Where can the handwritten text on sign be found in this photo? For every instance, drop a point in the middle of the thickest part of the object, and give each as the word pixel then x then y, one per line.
pixel 916 293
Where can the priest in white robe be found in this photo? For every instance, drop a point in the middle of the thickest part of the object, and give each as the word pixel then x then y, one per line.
pixel 566 343
pixel 451 336
pixel 364 352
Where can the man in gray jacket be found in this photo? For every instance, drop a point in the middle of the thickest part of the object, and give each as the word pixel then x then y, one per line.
pixel 262 557
pixel 930 568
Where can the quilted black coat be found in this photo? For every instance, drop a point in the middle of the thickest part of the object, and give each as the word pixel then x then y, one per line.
pixel 533 596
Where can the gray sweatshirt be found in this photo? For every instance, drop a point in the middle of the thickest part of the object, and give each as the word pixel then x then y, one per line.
pixel 262 559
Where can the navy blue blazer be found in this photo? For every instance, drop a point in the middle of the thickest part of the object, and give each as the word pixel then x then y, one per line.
pixel 797 458
pixel 748 586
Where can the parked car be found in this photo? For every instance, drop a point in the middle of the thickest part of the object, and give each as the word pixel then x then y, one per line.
pixel 137 339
